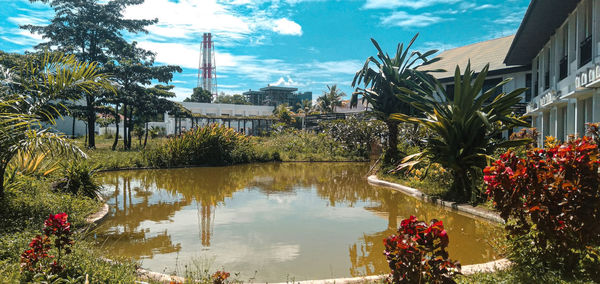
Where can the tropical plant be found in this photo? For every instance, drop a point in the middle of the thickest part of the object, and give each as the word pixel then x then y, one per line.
pixel 284 113
pixel 551 201
pixel 330 99
pixel 391 77
pixel 21 114
pixel 79 178
pixel 464 129
pixel 418 253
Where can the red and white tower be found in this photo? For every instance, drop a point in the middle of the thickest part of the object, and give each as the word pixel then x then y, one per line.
pixel 207 69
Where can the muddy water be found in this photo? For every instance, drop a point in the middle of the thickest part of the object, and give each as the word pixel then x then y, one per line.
pixel 269 222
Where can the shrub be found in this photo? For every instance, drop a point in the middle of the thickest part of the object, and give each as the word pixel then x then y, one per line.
pixel 418 253
pixel 551 202
pixel 209 145
pixel 301 145
pixel 79 178
pixel 356 135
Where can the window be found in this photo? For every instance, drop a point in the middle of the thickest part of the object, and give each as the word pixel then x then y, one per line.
pixel 563 63
pixel 529 87
pixel 585 45
pixel 547 70
pixel 450 92
pixel 489 84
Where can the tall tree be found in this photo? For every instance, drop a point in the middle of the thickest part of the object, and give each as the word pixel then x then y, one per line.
pixel 386 79
pixel 133 70
pixel 330 99
pixel 199 95
pixel 155 103
pixel 93 31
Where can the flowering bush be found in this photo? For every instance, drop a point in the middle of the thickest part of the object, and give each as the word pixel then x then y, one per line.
pixel 551 201
pixel 220 277
pixel 418 253
pixel 37 257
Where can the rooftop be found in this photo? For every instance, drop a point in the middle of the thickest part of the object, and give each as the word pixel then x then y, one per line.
pixel 492 51
pixel 277 88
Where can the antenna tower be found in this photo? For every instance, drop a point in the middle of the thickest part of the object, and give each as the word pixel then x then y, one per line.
pixel 207 68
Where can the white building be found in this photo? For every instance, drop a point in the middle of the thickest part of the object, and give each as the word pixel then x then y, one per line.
pixel 242 118
pixel 561 41
pixel 479 54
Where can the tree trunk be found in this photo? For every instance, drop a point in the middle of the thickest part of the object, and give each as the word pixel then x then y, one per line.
pixel 2 171
pixel 124 126
pixel 116 142
pixel 146 138
pixel 391 153
pixel 73 127
pixel 130 128
pixel 91 121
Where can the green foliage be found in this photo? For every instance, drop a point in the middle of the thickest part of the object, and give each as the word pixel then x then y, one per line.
pixel 464 128
pixel 199 95
pixel 235 99
pixel 391 78
pixel 300 145
pixel 284 113
pixel 210 145
pixel 356 135
pixel 551 200
pixel 78 178
pixel 330 99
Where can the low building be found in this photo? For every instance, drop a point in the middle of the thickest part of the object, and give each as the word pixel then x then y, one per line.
pixel 560 39
pixel 249 119
pixel 479 54
pixel 275 95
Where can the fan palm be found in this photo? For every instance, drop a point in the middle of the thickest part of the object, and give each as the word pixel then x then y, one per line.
pixel 27 94
pixel 390 78
pixel 464 128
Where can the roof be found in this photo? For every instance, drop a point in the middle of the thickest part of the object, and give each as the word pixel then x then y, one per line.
pixel 542 18
pixel 481 53
pixel 276 88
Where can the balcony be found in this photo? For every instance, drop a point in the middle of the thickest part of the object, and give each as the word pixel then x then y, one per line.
pixel 585 51
pixel 531 107
pixel 563 68
pixel 549 98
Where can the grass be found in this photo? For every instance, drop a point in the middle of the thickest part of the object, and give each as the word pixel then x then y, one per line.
pixel 28 202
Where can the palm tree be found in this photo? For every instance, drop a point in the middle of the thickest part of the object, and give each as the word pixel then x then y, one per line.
pixel 387 79
pixel 330 99
pixel 304 108
pixel 26 96
pixel 464 128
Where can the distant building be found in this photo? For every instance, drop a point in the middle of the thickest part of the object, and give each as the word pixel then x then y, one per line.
pixel 274 96
pixel 248 119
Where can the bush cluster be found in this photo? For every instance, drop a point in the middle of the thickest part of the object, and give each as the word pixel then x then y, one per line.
pixel 551 201
pixel 356 135
pixel 209 145
pixel 418 253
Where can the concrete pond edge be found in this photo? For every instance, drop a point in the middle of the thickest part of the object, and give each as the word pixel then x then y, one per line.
pixel 488 267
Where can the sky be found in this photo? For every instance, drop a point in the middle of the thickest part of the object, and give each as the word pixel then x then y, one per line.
pixel 306 44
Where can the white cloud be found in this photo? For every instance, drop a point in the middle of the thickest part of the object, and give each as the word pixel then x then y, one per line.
pixel 287 27
pixel 415 4
pixel 286 83
pixel 406 20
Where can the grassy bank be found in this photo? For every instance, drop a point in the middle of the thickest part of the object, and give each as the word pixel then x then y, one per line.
pixel 28 202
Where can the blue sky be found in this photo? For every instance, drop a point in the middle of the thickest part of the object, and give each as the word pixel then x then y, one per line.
pixel 306 44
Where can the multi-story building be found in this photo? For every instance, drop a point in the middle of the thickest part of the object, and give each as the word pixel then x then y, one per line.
pixel 561 41
pixel 274 96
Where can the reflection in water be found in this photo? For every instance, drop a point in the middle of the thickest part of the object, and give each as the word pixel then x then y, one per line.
pixel 300 221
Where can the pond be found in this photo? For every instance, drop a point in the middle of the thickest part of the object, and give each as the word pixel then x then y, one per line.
pixel 269 222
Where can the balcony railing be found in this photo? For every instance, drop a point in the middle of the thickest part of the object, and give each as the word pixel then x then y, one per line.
pixel 547 80
pixel 563 68
pixel 585 51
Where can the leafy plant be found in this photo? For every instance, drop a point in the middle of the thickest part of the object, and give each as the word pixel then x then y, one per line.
pixel 356 135
pixel 418 253
pixel 209 145
pixel 391 77
pixel 330 99
pixel 37 258
pixel 79 178
pixel 464 127
pixel 551 201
